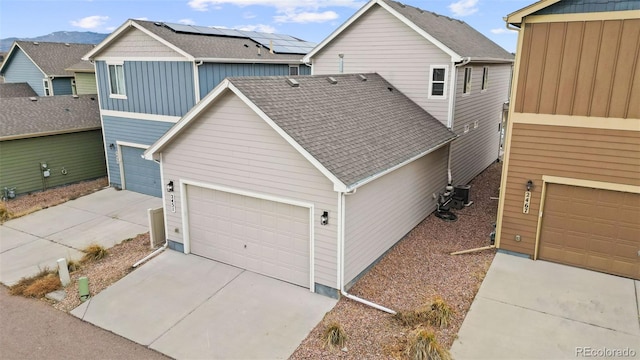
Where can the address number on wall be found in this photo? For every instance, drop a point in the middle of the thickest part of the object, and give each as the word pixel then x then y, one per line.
pixel 527 202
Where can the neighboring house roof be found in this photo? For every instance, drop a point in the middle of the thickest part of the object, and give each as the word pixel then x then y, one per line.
pixel 12 90
pixel 353 130
pixel 39 116
pixel 453 36
pixel 51 58
pixel 82 66
pixel 198 46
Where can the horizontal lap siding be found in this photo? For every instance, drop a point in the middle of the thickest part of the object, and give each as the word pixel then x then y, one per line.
pixel 21 69
pixel 380 213
pixel 229 145
pixel 62 86
pixel 571 68
pixel 86 83
pixel 135 43
pixel 80 154
pixel 379 42
pixel 152 87
pixel 144 132
pixel 211 74
pixel 477 149
pixel 610 156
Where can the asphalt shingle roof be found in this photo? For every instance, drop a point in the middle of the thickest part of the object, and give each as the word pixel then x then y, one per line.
pixel 55 58
pixel 24 117
pixel 453 33
pixel 11 90
pixel 208 46
pixel 354 128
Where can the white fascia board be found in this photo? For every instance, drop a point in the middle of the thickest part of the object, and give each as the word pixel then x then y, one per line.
pixel 516 16
pixel 153 150
pixel 113 36
pixel 250 61
pixel 10 53
pixel 491 60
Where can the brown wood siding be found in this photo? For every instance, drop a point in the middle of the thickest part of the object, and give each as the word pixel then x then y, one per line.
pixel 611 156
pixel 587 68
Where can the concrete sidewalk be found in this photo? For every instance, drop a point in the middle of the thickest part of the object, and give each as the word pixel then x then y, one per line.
pixel 189 307
pixel 33 242
pixel 540 310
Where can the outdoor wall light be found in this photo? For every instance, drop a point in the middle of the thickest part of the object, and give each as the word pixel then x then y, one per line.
pixel 324 219
pixel 112 146
pixel 529 185
pixel 170 186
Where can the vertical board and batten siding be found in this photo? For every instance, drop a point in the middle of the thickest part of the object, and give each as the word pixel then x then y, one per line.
pixel 211 74
pixel 380 213
pixel 474 151
pixel 229 145
pixel 152 87
pixel 81 154
pixel 21 69
pixel 62 86
pixel 379 42
pixel 144 132
pixel 134 43
pixel 611 156
pixel 582 6
pixel 570 68
pixel 86 83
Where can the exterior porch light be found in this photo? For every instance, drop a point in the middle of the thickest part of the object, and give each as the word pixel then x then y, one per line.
pixel 170 186
pixel 324 218
pixel 529 185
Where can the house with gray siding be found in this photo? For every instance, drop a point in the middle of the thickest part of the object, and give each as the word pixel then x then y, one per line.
pixel 150 74
pixel 43 65
pixel 49 141
pixel 448 68
pixel 84 78
pixel 308 192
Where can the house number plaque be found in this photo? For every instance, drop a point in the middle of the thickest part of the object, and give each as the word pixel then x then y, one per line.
pixel 173 203
pixel 527 202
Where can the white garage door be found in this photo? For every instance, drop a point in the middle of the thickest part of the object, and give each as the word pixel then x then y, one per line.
pixel 262 236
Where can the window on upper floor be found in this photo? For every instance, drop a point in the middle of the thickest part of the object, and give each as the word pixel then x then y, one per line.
pixel 47 87
pixel 116 81
pixel 466 87
pixel 485 78
pixel 74 88
pixel 294 70
pixel 438 81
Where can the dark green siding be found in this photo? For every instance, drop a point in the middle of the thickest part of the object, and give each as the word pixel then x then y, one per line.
pixel 585 6
pixel 80 154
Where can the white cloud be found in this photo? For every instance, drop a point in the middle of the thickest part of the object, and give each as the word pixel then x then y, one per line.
pixel 90 22
pixel 306 17
pixel 110 28
pixel 144 18
pixel 500 31
pixel 464 7
pixel 280 5
pixel 257 27
pixel 248 15
pixel 187 22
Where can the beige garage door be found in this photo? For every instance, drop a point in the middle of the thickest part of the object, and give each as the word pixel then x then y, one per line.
pixel 262 236
pixel 592 228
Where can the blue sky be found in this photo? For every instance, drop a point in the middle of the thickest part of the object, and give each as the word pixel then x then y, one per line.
pixel 310 20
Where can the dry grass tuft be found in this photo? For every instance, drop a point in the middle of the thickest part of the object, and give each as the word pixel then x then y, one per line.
pixel 94 252
pixel 5 214
pixel 73 265
pixel 334 336
pixel 440 313
pixel 423 346
pixel 413 317
pixel 37 286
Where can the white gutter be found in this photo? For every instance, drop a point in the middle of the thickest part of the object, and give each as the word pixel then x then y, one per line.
pixel 250 61
pixel 343 292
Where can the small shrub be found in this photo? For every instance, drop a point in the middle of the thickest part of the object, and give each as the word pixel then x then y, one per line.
pixel 5 214
pixel 440 313
pixel 423 346
pixel 334 336
pixel 73 265
pixel 35 285
pixel 413 317
pixel 94 253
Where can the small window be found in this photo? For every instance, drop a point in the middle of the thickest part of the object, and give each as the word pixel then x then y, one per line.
pixel 438 82
pixel 74 89
pixel 116 81
pixel 467 80
pixel 485 78
pixel 47 88
pixel 294 70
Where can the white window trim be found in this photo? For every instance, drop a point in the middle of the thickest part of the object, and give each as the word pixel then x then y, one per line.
pixel 444 90
pixel 294 66
pixel 464 83
pixel 111 94
pixel 46 85
pixel 485 79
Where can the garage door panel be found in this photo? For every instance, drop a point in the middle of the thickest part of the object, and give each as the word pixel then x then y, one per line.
pixel 259 235
pixel 596 229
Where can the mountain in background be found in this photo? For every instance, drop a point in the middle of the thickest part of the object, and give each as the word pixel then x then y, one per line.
pixel 82 37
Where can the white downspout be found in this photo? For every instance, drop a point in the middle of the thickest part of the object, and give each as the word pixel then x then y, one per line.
pixel 343 292
pixel 157 251
pixel 452 109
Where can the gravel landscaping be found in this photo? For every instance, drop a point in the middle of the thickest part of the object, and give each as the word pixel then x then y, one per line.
pixel 412 274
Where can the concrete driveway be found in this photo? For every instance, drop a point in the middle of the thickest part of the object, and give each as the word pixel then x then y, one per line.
pixel 540 310
pixel 189 307
pixel 38 240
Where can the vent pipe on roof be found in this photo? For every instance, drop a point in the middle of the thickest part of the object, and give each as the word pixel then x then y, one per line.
pixel 67 44
pixel 293 82
pixel 36 43
pixel 271 46
pixel 259 52
pixel 332 80
pixel 362 77
pixel 33 98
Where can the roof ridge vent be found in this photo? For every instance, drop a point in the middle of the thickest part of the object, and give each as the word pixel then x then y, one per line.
pixel 33 98
pixel 36 43
pixel 332 80
pixel 362 77
pixel 67 44
pixel 293 82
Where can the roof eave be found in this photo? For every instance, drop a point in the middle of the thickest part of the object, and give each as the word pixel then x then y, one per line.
pixel 47 133
pixel 491 60
pixel 515 18
pixel 248 61
pixel 10 53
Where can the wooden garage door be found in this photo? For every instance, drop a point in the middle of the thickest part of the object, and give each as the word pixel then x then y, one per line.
pixel 592 228
pixel 262 236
